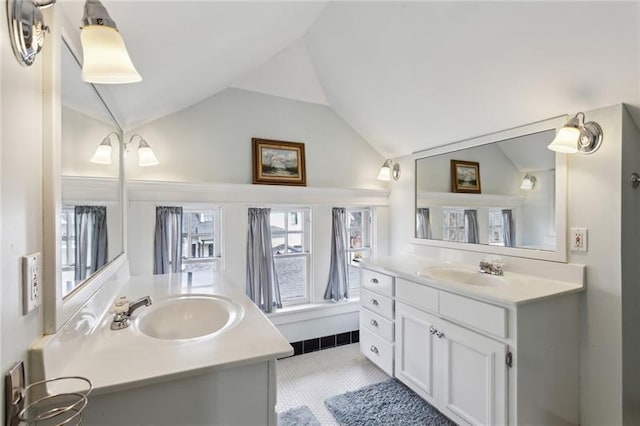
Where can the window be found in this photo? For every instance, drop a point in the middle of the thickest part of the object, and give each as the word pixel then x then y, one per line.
pixel 201 248
pixel 359 231
pixel 496 235
pixel 453 227
pixel 68 247
pixel 290 242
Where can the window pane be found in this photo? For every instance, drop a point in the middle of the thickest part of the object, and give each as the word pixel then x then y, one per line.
pixel 201 272
pixel 355 219
pixel 201 223
pixel 294 243
pixel 277 222
pixel 277 245
pixel 295 221
pixel 201 246
pixel 355 239
pixel 292 273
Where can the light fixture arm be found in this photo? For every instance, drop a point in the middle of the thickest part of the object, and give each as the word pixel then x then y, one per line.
pixel 96 14
pixel 142 141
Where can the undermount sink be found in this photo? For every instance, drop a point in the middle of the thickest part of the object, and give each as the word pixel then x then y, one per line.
pixel 464 276
pixel 188 317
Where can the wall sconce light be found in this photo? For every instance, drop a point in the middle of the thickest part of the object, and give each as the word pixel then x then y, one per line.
pixel 577 135
pixel 27 28
pixel 106 60
pixel 389 170
pixel 146 157
pixel 528 182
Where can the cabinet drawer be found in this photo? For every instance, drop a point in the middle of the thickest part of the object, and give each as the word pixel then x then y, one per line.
pixel 417 295
pixel 376 324
pixel 377 350
pixel 480 315
pixel 377 282
pixel 379 304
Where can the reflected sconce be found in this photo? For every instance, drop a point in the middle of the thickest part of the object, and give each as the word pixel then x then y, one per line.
pixel 146 157
pixel 106 59
pixel 27 28
pixel 528 182
pixel 578 136
pixel 389 170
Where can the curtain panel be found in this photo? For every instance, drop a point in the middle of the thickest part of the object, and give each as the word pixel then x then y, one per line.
pixel 167 245
pixel 423 223
pixel 92 243
pixel 471 226
pixel 508 228
pixel 338 285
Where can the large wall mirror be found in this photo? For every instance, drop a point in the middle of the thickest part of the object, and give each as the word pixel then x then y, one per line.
pixel 89 196
pixel 502 194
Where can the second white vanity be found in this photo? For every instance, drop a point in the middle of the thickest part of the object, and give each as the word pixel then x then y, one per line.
pixel 482 349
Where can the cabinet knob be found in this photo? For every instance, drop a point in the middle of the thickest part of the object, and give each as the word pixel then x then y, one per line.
pixel 374 302
pixel 440 334
pixel 373 323
pixel 374 349
pixel 374 280
pixel 432 330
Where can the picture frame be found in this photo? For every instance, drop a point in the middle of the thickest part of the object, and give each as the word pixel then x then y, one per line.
pixel 465 177
pixel 278 162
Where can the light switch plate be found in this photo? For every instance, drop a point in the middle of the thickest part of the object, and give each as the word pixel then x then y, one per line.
pixel 578 239
pixel 30 282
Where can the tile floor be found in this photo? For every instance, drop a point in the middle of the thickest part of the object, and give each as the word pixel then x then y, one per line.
pixel 310 378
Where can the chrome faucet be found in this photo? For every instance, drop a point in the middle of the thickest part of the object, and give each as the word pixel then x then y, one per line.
pixel 493 267
pixel 123 309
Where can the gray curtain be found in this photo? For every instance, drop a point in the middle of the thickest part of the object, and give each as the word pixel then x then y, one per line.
pixel 338 286
pixel 508 228
pixel 262 281
pixel 167 244
pixel 471 226
pixel 423 223
pixel 92 243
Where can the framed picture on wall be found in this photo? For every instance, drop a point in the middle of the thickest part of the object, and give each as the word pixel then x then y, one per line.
pixel 278 162
pixel 465 177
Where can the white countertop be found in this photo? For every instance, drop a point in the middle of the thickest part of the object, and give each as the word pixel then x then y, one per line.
pixel 123 359
pixel 526 288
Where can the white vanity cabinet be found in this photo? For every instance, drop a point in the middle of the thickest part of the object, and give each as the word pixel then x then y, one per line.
pixel 377 318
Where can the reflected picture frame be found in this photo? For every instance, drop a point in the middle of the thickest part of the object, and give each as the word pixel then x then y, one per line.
pixel 465 177
pixel 278 162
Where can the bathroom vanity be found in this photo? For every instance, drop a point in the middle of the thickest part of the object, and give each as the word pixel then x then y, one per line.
pixel 482 349
pixel 147 374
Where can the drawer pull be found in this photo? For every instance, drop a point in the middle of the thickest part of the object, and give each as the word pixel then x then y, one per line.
pixel 374 349
pixel 432 330
pixel 373 323
pixel 440 334
pixel 374 302
pixel 374 280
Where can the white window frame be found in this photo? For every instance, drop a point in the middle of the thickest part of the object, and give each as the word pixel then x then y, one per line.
pixel 306 247
pixel 218 239
pixel 495 225
pixel 367 244
pixel 445 228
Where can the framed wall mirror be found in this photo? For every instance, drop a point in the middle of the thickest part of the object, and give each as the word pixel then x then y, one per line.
pixel 85 216
pixel 518 205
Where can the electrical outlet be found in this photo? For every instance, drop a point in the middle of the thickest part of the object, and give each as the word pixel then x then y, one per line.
pixel 578 238
pixel 30 282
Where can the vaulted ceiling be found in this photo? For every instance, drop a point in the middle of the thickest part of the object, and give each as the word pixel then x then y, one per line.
pixel 406 75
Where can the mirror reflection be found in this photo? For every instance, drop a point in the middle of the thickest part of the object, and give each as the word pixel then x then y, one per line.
pixel 501 194
pixel 91 218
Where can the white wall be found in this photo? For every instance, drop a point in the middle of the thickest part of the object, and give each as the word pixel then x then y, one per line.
pixel 211 142
pixel 20 197
pixel 594 202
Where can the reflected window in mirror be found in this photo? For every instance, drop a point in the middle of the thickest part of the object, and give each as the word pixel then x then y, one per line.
pixel 359 248
pixel 201 243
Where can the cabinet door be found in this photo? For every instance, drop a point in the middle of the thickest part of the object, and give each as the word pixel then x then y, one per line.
pixel 415 351
pixel 475 377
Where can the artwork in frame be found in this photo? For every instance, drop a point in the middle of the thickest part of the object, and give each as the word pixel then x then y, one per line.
pixel 278 162
pixel 465 177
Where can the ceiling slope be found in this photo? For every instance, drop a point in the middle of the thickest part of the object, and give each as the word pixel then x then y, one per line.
pixel 411 76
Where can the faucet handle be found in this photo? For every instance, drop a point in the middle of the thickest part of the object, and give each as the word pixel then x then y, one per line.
pixel 120 305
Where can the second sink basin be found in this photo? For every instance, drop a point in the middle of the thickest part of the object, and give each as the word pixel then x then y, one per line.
pixel 188 317
pixel 464 276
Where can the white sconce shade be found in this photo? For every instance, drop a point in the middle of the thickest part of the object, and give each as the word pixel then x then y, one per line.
pixel 528 182
pixel 566 140
pixel 146 157
pixel 103 152
pixel 106 60
pixel 388 171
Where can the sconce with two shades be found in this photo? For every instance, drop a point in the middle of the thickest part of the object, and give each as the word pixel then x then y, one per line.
pixel 106 59
pixel 146 157
pixel 577 136
pixel 389 170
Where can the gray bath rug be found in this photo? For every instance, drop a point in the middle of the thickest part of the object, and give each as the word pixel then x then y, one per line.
pixel 299 416
pixel 386 403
